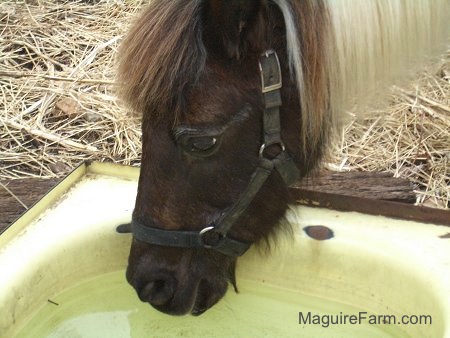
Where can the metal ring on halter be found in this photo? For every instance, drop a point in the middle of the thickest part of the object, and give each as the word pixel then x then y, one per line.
pixel 202 242
pixel 264 146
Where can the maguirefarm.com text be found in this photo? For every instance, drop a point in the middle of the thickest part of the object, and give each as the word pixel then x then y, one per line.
pixel 308 318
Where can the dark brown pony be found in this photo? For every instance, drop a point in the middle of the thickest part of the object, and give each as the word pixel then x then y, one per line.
pixel 191 68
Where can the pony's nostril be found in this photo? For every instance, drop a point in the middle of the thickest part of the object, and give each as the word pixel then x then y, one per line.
pixel 158 292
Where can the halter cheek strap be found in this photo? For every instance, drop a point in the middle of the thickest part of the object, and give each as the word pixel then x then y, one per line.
pixel 214 236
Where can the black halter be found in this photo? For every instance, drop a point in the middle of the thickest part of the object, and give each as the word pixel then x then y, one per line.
pixel 214 236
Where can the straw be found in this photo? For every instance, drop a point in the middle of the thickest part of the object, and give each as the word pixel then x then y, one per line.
pixel 58 106
pixel 410 137
pixel 57 101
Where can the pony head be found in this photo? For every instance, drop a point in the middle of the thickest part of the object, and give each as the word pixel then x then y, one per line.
pixel 193 69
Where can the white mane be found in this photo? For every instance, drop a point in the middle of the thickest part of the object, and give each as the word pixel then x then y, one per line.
pixel 370 45
pixel 376 43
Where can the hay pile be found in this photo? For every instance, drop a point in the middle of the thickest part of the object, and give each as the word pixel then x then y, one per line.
pixel 58 107
pixel 57 102
pixel 409 138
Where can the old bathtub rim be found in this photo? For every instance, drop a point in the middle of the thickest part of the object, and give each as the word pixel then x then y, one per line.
pixel 130 173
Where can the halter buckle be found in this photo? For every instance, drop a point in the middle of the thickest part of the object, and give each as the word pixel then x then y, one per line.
pixel 269 66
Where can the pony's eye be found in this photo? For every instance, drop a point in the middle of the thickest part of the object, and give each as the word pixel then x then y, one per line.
pixel 202 146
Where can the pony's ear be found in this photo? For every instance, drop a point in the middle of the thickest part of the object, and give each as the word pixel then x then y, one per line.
pixel 234 26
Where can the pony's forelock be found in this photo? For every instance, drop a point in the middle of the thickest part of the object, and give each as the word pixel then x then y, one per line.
pixel 162 57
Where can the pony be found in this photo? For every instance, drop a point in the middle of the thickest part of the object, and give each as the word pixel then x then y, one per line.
pixel 238 99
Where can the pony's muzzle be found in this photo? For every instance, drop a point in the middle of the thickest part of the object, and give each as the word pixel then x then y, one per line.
pixel 158 291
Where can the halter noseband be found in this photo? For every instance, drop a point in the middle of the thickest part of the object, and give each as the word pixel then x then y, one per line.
pixel 214 236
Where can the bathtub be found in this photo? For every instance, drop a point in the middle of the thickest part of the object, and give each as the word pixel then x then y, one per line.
pixel 62 273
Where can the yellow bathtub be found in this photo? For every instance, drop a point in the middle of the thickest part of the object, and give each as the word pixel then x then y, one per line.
pixel 62 274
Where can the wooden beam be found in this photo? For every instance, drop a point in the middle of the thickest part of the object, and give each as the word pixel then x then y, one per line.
pixel 372 185
pixel 14 194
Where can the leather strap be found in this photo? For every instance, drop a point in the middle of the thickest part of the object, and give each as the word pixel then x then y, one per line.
pixel 271 85
pixel 259 177
pixel 184 239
